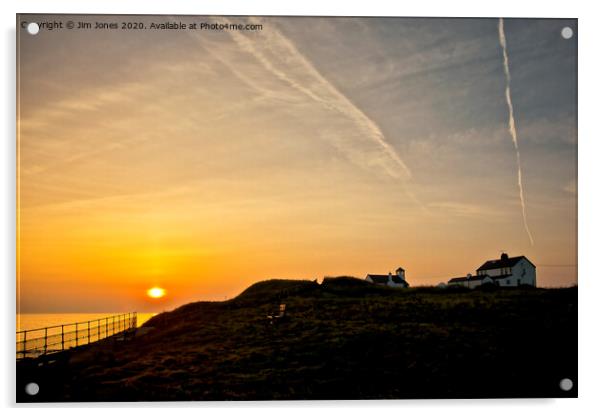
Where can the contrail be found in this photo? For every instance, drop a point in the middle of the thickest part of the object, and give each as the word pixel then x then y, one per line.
pixel 512 127
pixel 316 87
pixel 280 57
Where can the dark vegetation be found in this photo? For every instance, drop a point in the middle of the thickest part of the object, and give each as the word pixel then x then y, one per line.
pixel 343 339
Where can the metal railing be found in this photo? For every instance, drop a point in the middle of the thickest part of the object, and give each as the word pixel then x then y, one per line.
pixel 35 342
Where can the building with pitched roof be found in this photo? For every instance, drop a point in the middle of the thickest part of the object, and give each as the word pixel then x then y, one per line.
pixel 505 271
pixel 397 280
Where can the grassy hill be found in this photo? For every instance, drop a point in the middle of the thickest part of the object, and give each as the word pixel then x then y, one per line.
pixel 343 339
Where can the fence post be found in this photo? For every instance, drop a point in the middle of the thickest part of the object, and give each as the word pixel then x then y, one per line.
pixel 88 332
pixel 62 337
pixel 76 334
pixel 98 328
pixel 45 340
pixel 106 327
pixel 24 344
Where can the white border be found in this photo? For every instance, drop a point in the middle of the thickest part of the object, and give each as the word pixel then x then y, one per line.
pixel 590 206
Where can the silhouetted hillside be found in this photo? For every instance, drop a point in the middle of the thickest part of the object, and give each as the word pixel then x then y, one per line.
pixel 343 339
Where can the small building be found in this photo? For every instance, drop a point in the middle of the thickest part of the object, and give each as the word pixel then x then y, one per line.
pixel 505 271
pixel 470 281
pixel 397 280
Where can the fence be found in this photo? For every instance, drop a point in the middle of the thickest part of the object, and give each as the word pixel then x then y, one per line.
pixel 35 342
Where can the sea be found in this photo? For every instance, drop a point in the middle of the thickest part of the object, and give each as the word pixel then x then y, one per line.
pixel 28 321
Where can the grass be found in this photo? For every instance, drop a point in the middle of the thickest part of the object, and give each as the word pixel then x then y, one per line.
pixel 343 339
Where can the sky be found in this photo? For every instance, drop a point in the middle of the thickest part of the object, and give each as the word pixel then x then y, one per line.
pixel 203 161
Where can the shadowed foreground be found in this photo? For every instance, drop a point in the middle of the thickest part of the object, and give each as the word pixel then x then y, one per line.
pixel 344 339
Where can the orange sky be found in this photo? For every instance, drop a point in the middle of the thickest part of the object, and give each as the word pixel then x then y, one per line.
pixel 202 162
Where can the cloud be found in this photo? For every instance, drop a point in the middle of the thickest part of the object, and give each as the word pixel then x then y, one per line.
pixel 571 187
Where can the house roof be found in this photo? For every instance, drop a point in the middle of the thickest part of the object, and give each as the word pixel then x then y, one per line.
pixel 384 278
pixel 400 268
pixel 467 278
pixel 378 278
pixel 503 261
pixel 478 277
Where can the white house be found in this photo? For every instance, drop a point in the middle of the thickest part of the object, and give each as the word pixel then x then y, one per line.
pixel 505 271
pixel 397 280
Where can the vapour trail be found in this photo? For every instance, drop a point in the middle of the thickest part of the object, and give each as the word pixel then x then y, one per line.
pixel 316 87
pixel 512 127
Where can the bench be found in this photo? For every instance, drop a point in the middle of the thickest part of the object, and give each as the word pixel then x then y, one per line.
pixel 278 315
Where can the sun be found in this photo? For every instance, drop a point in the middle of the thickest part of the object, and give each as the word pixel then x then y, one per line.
pixel 156 292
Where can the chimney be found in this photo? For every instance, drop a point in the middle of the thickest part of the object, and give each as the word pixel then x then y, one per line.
pixel 504 256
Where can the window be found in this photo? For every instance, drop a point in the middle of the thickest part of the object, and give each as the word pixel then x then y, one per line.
pixel 507 282
pixel 518 282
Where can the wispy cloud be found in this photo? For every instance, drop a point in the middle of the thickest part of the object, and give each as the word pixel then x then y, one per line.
pixel 571 187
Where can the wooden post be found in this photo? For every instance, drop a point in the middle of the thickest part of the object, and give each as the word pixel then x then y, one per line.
pixel 88 332
pixel 24 344
pixel 106 327
pixel 45 340
pixel 98 329
pixel 62 337
pixel 76 334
